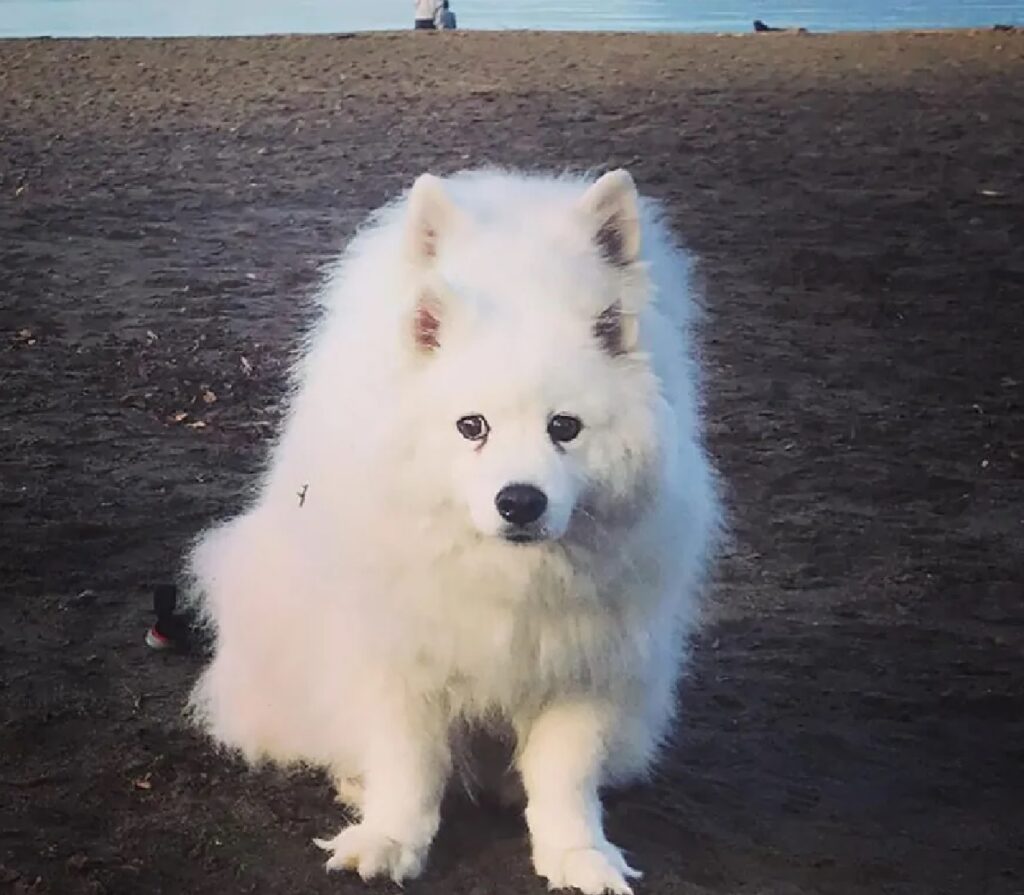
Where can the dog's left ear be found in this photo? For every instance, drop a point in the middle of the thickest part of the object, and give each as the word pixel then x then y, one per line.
pixel 612 209
pixel 616 332
pixel 429 216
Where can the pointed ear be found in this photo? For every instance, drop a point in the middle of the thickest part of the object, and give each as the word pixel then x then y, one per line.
pixel 613 213
pixel 427 318
pixel 616 332
pixel 430 213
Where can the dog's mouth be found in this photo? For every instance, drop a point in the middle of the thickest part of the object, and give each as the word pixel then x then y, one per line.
pixel 524 535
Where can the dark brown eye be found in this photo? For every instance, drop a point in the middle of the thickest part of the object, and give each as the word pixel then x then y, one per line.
pixel 563 428
pixel 473 427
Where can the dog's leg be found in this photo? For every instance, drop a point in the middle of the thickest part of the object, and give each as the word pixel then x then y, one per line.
pixel 405 770
pixel 349 791
pixel 561 763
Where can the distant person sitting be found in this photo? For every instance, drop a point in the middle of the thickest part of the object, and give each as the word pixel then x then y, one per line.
pixel 445 18
pixel 426 11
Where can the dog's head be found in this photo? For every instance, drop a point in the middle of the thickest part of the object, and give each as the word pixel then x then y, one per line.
pixel 536 407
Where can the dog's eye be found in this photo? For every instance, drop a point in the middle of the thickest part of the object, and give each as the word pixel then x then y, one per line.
pixel 563 428
pixel 473 427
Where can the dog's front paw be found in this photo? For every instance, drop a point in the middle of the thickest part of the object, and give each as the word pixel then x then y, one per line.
pixel 372 854
pixel 593 871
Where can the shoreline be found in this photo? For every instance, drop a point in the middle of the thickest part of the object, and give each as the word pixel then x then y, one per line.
pixel 786 30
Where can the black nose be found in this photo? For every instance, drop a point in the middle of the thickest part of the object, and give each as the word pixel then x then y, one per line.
pixel 521 504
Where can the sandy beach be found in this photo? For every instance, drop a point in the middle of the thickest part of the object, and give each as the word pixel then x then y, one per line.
pixel 854 720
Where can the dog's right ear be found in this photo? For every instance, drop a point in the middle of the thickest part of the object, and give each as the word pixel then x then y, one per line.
pixel 611 206
pixel 430 215
pixel 426 321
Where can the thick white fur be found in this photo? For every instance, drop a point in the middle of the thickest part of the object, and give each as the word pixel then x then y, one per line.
pixel 360 627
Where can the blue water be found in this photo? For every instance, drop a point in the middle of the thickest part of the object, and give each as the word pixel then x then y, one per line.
pixel 160 18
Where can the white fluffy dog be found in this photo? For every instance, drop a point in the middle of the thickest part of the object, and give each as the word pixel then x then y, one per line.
pixel 489 509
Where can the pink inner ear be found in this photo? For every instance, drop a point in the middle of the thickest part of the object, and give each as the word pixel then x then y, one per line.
pixel 426 328
pixel 612 243
pixel 428 243
pixel 608 330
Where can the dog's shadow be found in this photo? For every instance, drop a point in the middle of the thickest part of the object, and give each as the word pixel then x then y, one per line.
pixel 482 824
pixel 478 825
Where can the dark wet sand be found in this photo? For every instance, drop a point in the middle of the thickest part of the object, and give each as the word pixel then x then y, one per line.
pixel 853 723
